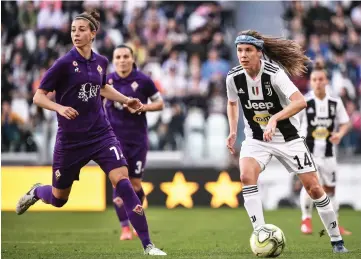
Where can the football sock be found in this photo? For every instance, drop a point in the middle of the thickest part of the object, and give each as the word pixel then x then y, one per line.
pixel 45 194
pixel 334 203
pixel 328 217
pixel 306 204
pixel 253 205
pixel 134 210
pixel 120 210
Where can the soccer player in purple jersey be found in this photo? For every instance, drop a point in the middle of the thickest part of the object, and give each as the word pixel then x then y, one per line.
pixel 84 132
pixel 133 138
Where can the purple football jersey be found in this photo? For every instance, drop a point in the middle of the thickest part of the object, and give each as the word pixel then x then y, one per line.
pixel 77 84
pixel 130 128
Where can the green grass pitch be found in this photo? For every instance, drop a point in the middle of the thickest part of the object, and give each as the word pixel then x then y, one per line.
pixel 182 233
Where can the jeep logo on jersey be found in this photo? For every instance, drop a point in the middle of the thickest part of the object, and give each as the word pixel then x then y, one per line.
pixel 258 105
pixel 320 133
pixel 262 119
pixel 322 122
pixel 88 91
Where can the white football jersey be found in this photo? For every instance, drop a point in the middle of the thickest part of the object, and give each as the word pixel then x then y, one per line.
pixel 319 120
pixel 261 98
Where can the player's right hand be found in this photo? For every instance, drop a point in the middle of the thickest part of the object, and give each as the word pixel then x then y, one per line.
pixel 68 112
pixel 231 140
pixel 134 103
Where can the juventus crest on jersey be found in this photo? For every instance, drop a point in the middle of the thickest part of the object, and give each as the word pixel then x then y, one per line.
pixel 262 97
pixel 319 120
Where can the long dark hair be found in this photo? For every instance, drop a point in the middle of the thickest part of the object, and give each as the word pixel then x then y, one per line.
pixel 287 53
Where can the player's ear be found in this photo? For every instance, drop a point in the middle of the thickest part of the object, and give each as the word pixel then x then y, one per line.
pixel 93 35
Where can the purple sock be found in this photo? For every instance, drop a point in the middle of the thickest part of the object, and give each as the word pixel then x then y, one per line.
pixel 120 210
pixel 134 210
pixel 44 193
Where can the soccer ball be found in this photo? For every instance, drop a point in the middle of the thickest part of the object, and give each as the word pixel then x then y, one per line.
pixel 267 241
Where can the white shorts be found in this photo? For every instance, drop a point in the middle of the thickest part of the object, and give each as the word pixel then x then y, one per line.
pixel 327 168
pixel 294 155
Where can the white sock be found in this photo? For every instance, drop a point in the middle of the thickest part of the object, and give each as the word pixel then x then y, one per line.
pixel 306 204
pixel 253 205
pixel 328 217
pixel 334 203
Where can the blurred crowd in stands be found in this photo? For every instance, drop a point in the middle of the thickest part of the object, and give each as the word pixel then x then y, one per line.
pixel 182 46
pixel 330 32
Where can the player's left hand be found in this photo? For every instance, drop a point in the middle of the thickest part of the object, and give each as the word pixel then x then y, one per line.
pixel 270 129
pixel 335 138
pixel 134 104
pixel 133 110
pixel 231 140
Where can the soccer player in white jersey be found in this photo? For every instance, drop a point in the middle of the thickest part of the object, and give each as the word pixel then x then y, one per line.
pixel 270 100
pixel 318 124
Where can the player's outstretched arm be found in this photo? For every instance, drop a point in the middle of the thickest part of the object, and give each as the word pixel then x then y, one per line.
pixel 40 99
pixel 157 104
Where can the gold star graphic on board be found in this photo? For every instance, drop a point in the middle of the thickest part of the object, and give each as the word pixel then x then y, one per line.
pixel 224 191
pixel 147 188
pixel 179 191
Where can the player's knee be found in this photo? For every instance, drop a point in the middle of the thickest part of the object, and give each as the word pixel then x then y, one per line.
pixel 248 178
pixel 118 174
pixel 56 202
pixel 315 191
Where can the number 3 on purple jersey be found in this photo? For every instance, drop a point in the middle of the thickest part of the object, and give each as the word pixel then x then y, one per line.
pixel 139 167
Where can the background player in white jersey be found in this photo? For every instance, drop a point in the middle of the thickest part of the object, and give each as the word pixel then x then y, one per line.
pixel 270 100
pixel 318 125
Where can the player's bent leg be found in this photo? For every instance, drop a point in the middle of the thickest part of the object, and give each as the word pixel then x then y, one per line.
pixel 46 193
pixel 250 170
pixel 52 195
pixel 324 208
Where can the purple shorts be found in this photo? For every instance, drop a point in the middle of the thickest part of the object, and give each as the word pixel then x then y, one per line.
pixel 136 157
pixel 67 164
